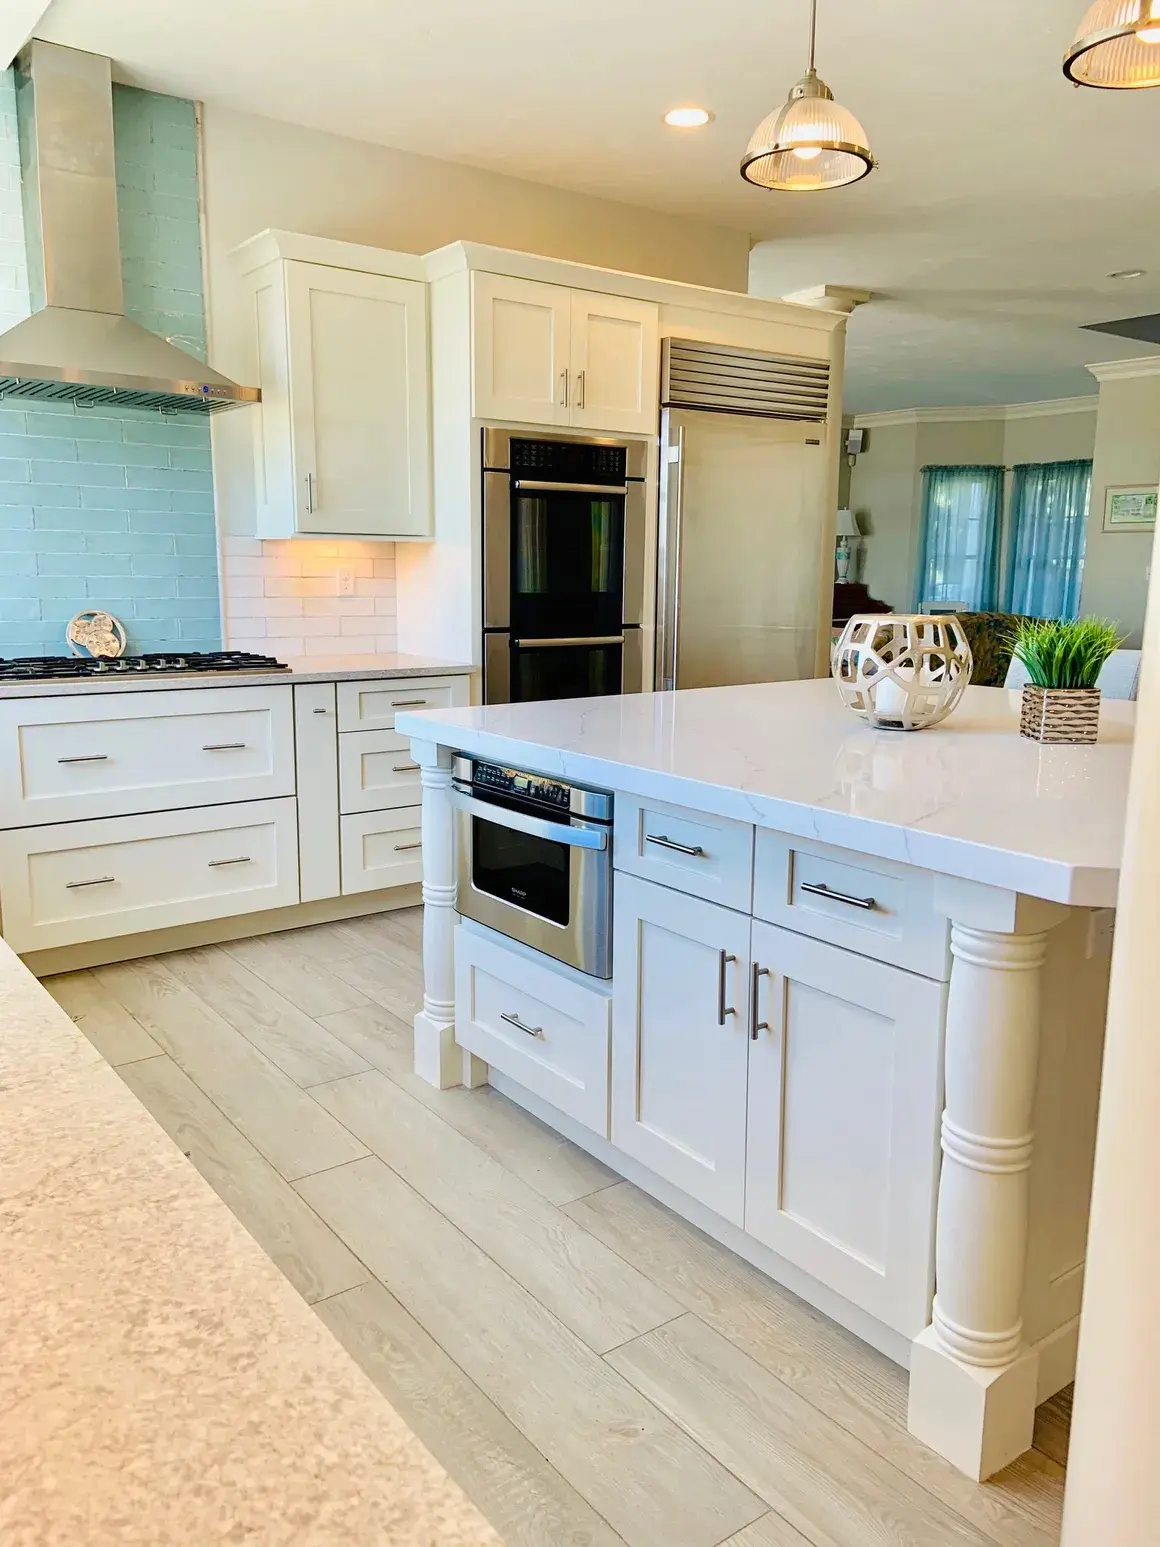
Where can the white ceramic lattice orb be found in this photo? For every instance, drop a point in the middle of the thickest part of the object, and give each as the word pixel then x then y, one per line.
pixel 902 671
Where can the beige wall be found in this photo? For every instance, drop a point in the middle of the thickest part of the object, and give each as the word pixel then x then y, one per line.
pixel 1127 451
pixel 886 484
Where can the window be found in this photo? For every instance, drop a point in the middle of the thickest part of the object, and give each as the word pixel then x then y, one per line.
pixel 961 511
pixel 1049 505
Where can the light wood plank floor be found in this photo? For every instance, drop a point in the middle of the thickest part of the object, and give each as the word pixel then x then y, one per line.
pixel 592 1370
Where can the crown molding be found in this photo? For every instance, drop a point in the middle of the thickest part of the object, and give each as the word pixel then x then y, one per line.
pixel 1125 370
pixel 983 412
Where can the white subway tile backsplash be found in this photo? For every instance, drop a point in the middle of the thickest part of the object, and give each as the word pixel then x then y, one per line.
pixel 291 589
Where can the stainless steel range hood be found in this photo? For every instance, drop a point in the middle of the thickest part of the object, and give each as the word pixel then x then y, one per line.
pixel 80 346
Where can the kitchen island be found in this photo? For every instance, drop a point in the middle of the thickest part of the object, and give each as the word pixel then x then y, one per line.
pixel 853 973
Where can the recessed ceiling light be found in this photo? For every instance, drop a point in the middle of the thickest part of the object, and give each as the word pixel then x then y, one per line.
pixel 688 117
pixel 1127 273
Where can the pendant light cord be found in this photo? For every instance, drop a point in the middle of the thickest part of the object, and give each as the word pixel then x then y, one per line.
pixel 813 30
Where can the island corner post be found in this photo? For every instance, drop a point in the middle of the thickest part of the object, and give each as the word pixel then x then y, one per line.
pixel 974 1381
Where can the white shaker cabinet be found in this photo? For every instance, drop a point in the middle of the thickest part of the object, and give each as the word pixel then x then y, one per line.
pixel 342 440
pixel 680 1047
pixel 546 354
pixel 845 1079
pixel 615 363
pixel 522 336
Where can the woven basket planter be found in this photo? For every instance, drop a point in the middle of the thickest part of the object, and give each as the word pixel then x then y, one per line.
pixel 1060 714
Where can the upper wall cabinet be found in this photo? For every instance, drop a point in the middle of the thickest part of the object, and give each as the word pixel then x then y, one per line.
pixel 343 447
pixel 548 355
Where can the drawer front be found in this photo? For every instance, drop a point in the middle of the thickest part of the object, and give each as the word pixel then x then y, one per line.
pixel 707 856
pixel 69 758
pixel 380 848
pixel 372 706
pixel 869 905
pixel 375 773
pixel 83 881
pixel 543 1029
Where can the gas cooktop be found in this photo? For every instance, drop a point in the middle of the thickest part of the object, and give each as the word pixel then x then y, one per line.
pixel 47 668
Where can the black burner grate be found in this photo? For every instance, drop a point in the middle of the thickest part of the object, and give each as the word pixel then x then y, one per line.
pixel 44 668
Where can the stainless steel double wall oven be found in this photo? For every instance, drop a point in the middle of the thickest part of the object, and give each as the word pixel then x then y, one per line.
pixel 563 565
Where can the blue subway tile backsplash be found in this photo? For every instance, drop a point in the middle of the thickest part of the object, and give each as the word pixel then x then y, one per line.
pixel 102 507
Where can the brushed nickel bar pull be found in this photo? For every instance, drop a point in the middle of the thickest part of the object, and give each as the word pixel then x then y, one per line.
pixel 240 859
pixel 89 757
pixel 722 1008
pixel 564 389
pixel 404 768
pixel 550 486
pixel 401 848
pixel 72 886
pixel 693 849
pixel 755 1025
pixel 310 494
pixel 319 711
pixel 820 889
pixel 407 703
pixel 557 644
pixel 532 1031
pixel 224 746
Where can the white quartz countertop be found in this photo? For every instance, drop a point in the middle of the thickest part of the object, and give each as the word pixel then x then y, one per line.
pixel 161 1383
pixel 969 798
pixel 306 668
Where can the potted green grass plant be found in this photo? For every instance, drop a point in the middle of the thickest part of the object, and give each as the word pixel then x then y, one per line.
pixel 1063 658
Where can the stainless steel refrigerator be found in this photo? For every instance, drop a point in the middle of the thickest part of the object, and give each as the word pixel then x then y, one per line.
pixel 745 539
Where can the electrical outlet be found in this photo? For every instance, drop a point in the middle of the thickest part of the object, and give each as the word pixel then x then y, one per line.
pixel 345 580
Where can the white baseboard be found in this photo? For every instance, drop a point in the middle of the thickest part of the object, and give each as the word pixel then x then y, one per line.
pixel 154 942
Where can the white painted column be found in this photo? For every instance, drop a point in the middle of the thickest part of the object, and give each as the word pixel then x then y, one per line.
pixel 1113 1472
pixel 438 1058
pixel 972 1379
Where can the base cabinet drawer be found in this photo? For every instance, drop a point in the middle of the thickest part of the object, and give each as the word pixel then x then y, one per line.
pixel 873 906
pixel 374 774
pixel 546 1031
pixel 372 705
pixel 81 881
pixel 113 754
pixel 380 848
pixel 707 856
pixel 845 1092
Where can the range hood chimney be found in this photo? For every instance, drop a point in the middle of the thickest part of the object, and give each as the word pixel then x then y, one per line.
pixel 79 346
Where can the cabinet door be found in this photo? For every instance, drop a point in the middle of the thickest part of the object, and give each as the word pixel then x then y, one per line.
pixel 521 347
pixel 845 1097
pixel 615 363
pixel 359 403
pixel 679 1040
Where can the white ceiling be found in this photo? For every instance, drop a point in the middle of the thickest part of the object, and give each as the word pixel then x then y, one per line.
pixel 1003 197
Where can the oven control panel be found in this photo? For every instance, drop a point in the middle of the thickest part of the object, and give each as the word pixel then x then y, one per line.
pixel 529 786
pixel 573 461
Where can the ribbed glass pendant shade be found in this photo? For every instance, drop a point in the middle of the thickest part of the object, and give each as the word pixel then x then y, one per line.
pixel 1117 46
pixel 809 145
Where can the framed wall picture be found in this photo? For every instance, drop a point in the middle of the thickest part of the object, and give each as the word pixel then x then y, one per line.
pixel 1130 508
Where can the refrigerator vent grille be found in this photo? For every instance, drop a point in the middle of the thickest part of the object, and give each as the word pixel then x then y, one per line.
pixel 743 381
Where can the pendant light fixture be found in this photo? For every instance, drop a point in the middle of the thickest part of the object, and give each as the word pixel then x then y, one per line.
pixel 1117 46
pixel 811 143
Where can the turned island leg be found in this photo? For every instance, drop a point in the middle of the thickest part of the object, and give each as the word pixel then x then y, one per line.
pixel 438 1058
pixel 973 1379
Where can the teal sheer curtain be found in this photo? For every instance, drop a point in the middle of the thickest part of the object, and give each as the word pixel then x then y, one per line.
pixel 959 555
pixel 1049 506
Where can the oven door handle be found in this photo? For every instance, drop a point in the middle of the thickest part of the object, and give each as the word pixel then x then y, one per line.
pixel 567 643
pixel 571 836
pixel 546 486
